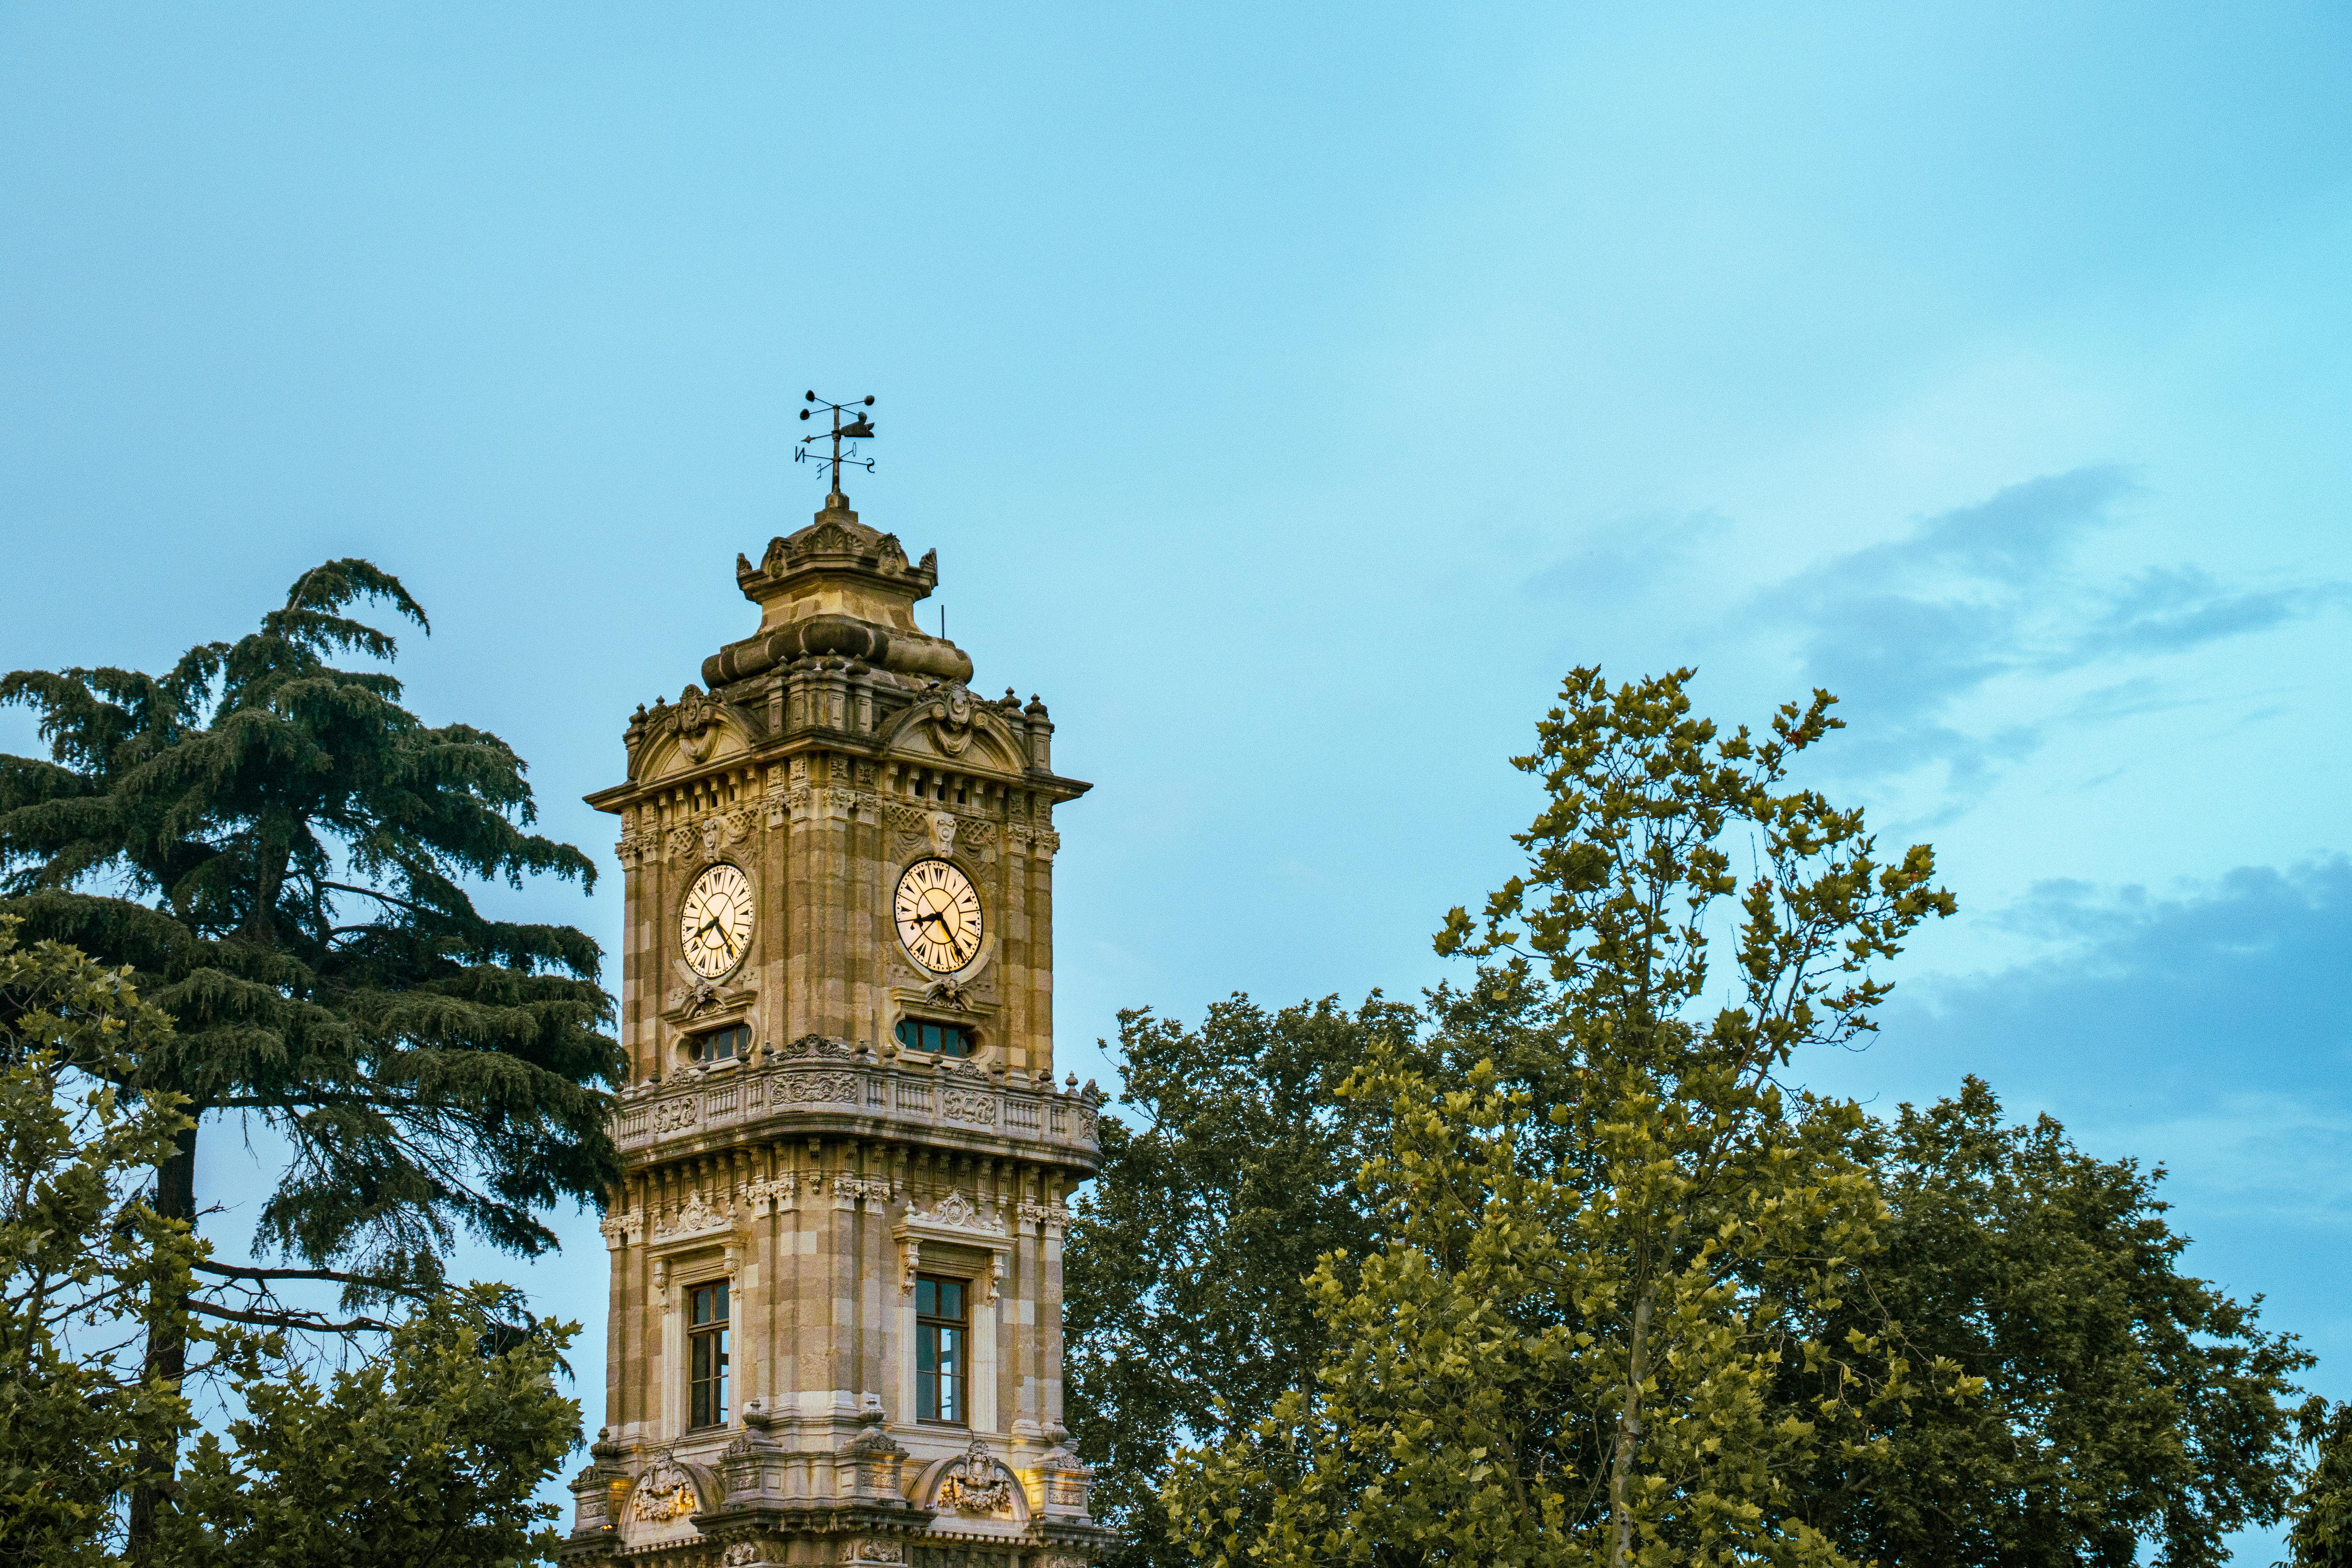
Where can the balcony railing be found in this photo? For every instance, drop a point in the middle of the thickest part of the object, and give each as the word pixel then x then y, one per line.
pixel 818 1079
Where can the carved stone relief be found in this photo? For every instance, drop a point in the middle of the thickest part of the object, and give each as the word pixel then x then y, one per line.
pixel 664 1492
pixel 976 1483
pixel 820 1088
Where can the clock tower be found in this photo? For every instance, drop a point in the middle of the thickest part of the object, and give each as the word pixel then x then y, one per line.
pixel 837 1299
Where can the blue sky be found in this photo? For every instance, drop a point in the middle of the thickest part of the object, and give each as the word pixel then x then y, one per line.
pixel 1293 394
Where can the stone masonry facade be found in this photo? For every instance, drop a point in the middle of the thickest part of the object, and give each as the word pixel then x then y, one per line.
pixel 820 1166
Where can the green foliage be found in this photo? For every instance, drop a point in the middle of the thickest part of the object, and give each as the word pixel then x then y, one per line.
pixel 2321 1534
pixel 1183 1273
pixel 288 850
pixel 1566 1348
pixel 83 1259
pixel 1932 1341
pixel 294 845
pixel 2130 1408
pixel 426 1455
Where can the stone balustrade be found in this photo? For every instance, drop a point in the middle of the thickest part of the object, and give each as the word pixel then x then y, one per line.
pixel 817 1087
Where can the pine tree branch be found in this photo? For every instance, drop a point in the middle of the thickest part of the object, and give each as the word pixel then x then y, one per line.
pixel 371 1281
pixel 307 1322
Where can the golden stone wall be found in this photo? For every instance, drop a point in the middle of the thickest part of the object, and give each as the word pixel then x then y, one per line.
pixel 817 1172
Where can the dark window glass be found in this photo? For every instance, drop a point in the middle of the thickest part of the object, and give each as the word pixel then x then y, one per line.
pixel 722 1045
pixel 706 1381
pixel 924 1034
pixel 941 1335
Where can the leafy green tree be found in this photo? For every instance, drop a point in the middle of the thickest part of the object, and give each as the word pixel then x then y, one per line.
pixel 84 1260
pixel 426 1454
pixel 1566 1350
pixel 1184 1273
pixel 2321 1533
pixel 279 851
pixel 2133 1413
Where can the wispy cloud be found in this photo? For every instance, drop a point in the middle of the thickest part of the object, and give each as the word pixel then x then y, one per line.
pixel 1908 630
pixel 2207 1028
pixel 2212 1004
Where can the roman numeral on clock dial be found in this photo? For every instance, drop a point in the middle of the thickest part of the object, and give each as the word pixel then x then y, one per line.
pixel 937 911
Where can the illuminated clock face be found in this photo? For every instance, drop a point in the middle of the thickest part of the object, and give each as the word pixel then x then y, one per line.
pixel 937 911
pixel 715 926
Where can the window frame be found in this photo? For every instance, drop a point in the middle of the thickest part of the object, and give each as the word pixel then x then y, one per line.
pixel 738 1037
pixel 928 1326
pixel 914 1024
pixel 716 1387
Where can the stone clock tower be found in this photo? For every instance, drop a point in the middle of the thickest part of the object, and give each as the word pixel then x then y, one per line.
pixel 837 1298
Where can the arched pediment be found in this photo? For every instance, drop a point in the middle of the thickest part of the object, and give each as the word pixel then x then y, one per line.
pixel 692 732
pixel 948 724
pixel 975 1485
pixel 666 1498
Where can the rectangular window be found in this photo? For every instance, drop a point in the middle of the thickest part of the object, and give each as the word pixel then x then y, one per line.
pixel 706 1380
pixel 722 1045
pixel 940 1374
pixel 923 1035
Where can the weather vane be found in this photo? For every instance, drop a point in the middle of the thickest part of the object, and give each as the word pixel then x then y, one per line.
pixel 859 428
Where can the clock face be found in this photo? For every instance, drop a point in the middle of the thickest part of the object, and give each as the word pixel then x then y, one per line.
pixel 715 926
pixel 938 911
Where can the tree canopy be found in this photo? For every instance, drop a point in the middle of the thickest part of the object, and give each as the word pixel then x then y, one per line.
pixel 85 1261
pixel 280 853
pixel 1933 1338
pixel 1183 1299
pixel 426 1453
pixel 2131 1409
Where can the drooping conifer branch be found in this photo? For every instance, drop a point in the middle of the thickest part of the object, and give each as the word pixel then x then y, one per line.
pixel 277 849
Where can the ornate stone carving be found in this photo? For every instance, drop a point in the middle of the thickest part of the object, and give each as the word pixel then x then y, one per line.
pixel 621 1228
pixel 698 723
pixel 676 1115
pixel 701 998
pixel 1067 1479
pixel 817 1045
pixel 721 829
pixel 1051 1214
pixel 977 1105
pixel 695 1216
pixel 772 1194
pixel 976 1483
pixel 742 1552
pixel 961 1212
pixel 664 1492
pixel 908 826
pixel 877 1188
pixel 820 1088
pixel 952 712
pixel 955 1218
pixel 880 1552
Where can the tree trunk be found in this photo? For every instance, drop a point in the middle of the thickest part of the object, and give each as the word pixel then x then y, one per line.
pixel 1629 1433
pixel 167 1356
